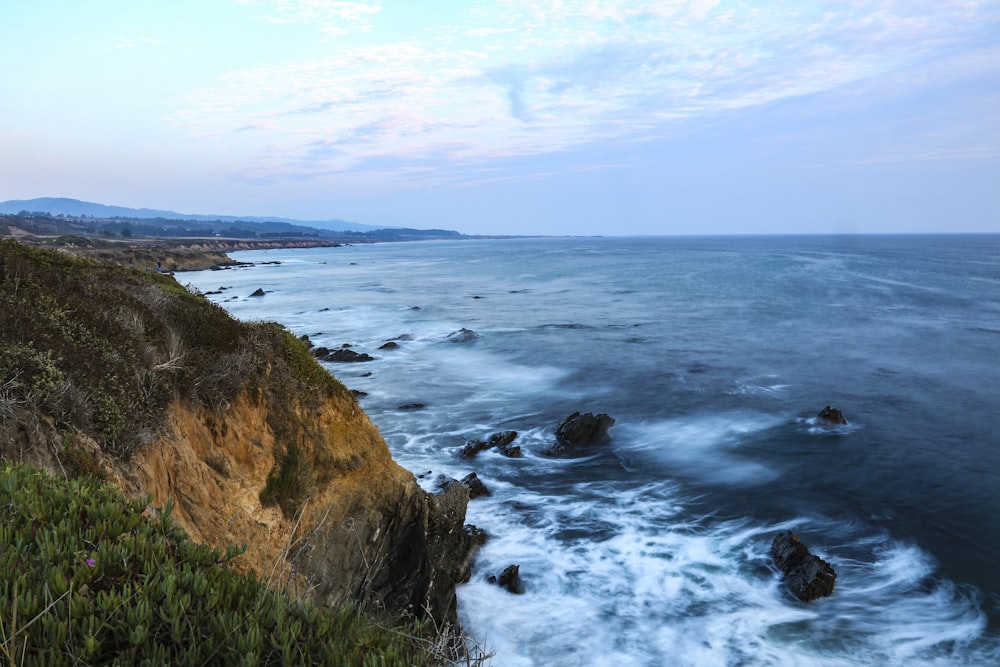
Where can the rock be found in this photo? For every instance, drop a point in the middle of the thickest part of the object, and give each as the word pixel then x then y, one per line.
pixel 501 440
pixel 808 576
pixel 831 416
pixel 478 535
pixel 258 292
pixel 305 339
pixel 476 487
pixel 473 447
pixel 358 393
pixel 510 579
pixel 390 345
pixel 321 352
pixel 463 335
pixel 411 406
pixel 346 355
pixel 510 451
pixel 581 431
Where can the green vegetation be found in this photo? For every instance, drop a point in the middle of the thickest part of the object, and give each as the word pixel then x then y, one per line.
pixel 102 350
pixel 87 578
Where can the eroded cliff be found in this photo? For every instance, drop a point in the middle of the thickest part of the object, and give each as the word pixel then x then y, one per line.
pixel 126 375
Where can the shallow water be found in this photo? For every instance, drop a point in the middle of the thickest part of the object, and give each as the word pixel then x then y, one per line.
pixel 714 356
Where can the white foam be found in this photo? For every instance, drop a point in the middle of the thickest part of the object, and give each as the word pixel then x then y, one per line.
pixel 707 446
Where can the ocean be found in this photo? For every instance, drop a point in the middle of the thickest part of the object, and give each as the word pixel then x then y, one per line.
pixel 714 356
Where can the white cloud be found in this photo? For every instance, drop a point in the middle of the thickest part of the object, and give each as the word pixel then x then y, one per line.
pixel 518 77
pixel 331 16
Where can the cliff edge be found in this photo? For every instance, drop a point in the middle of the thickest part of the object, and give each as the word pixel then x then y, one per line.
pixel 125 375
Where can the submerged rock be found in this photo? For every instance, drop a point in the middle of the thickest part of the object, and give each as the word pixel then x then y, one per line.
pixel 463 335
pixel 257 292
pixel 830 415
pixel 808 576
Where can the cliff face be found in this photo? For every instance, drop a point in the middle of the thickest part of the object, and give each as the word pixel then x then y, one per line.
pixel 361 530
pixel 125 375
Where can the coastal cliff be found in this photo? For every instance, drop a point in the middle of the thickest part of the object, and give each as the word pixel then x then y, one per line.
pixel 125 375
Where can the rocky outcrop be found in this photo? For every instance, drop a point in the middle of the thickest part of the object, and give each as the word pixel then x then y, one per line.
pixel 361 529
pixel 501 440
pixel 579 431
pixel 232 424
pixel 808 576
pixel 476 487
pixel 344 354
pixel 832 416
pixel 510 579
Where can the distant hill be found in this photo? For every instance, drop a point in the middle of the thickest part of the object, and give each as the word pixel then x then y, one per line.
pixel 74 207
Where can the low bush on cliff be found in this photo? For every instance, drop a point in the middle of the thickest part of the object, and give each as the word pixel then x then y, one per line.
pixel 87 578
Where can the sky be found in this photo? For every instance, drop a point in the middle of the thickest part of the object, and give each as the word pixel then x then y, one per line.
pixel 513 116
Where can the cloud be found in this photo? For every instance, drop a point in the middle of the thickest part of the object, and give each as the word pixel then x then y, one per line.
pixel 333 17
pixel 518 78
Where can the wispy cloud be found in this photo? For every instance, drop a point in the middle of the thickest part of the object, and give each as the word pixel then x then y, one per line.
pixel 333 17
pixel 518 77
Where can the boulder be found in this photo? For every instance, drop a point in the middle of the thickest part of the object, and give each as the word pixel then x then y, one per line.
pixel 581 430
pixel 830 415
pixel 476 487
pixel 257 292
pixel 390 345
pixel 808 576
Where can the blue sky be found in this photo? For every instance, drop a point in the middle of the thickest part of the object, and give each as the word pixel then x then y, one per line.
pixel 513 116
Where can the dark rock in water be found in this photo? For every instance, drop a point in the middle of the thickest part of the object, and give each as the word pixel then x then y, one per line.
pixel 501 440
pixel 391 345
pixel 358 393
pixel 581 431
pixel 463 335
pixel 510 451
pixel 305 339
pixel 510 579
pixel 478 535
pixel 411 406
pixel 808 576
pixel 476 487
pixel 321 352
pixel 366 375
pixel 473 447
pixel 831 416
pixel 348 356
pixel 258 292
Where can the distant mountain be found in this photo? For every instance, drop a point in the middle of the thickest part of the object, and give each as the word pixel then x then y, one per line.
pixel 74 207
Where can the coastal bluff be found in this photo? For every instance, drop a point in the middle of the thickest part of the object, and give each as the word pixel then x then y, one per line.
pixel 124 375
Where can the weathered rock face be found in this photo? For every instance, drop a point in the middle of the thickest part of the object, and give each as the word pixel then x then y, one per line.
pixel 808 576
pixel 365 531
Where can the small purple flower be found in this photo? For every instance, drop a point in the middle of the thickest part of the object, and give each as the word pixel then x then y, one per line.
pixel 91 562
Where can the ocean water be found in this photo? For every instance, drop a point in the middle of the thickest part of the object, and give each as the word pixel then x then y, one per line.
pixel 714 356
